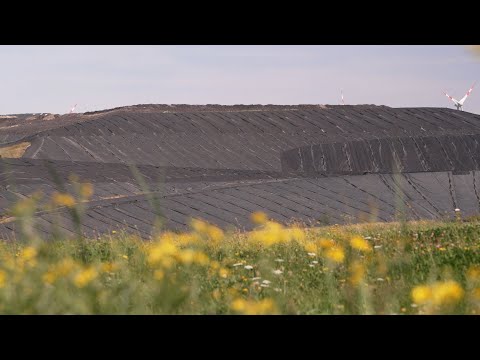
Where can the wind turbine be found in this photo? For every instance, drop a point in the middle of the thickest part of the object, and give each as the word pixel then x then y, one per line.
pixel 459 103
pixel 73 109
pixel 343 101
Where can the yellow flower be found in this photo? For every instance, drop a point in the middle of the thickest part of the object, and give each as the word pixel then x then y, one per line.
pixel 200 258
pixel 161 252
pixel 335 254
pixel 297 234
pixel 357 273
pixel 272 233
pixel 216 294
pixel 86 190
pixel 223 273
pixel 3 278
pixel 447 293
pixel 439 293
pixel 421 294
pixel 325 243
pixel 159 275
pixel 310 247
pixel 215 234
pixel 28 256
pixel 63 199
pixel 473 273
pixel 109 267
pixel 199 226
pixel 125 257
pixel 249 307
pixel 259 217
pixel 85 276
pixel 475 293
pixel 63 268
pixel 359 243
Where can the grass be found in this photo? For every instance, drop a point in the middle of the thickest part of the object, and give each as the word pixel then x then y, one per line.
pixel 415 268
pixel 14 151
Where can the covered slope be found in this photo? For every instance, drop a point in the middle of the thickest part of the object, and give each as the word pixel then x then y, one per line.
pixel 309 163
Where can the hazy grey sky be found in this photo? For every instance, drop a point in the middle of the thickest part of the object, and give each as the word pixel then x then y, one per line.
pixel 53 78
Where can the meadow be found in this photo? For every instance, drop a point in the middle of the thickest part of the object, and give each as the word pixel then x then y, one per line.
pixel 371 268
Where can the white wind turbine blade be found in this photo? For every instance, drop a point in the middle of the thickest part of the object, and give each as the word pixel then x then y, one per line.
pixel 73 109
pixel 451 98
pixel 466 95
pixel 343 101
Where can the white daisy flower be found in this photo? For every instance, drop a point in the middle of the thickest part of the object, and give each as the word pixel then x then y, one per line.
pixel 311 254
pixel 256 278
pixel 237 264
pixel 279 260
pixel 314 262
pixel 277 272
pixel 266 282
pixel 377 247
pixel 248 267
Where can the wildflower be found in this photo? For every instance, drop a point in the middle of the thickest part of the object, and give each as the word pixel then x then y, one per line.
pixel 63 268
pixel 215 234
pixel 311 254
pixel 297 234
pixel 311 265
pixel 440 293
pixel 335 254
pixel 223 273
pixel 256 278
pixel 277 289
pixel 360 244
pixel 272 233
pixel 310 248
pixel 3 278
pixel 216 294
pixel 259 218
pixel 457 210
pixel 28 256
pixel 447 293
pixel 473 273
pixel 325 243
pixel 380 279
pixel 114 232
pixel 199 226
pixel 249 307
pixel 475 293
pixel 248 267
pixel 86 190
pixel 314 262
pixel 278 272
pixel 85 277
pixel 63 199
pixel 367 237
pixel 357 272
pixel 245 290
pixel 267 282
pixel 162 253
pixel 279 260
pixel 109 267
pixel 159 275
pixel 237 264
pixel 376 247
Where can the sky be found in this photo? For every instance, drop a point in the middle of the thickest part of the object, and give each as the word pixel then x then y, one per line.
pixel 52 79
